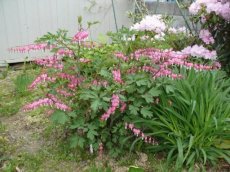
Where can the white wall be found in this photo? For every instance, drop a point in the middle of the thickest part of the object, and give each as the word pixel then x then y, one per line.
pixel 22 21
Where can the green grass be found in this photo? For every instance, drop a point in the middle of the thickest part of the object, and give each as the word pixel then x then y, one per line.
pixel 4 72
pixel 21 83
pixel 99 169
pixel 55 155
pixel 14 92
pixel 9 107
pixel 26 161
pixel 4 144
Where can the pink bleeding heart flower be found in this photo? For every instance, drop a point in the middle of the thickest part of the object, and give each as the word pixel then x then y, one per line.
pixel 81 35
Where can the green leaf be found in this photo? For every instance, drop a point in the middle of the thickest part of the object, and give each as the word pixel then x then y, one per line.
pixel 59 117
pixel 191 158
pixel 204 155
pixel 91 131
pixel 148 98
pixel 170 156
pixel 169 89
pixel 92 127
pixel 154 92
pixel 72 114
pixel 87 94
pixel 102 38
pixel 104 73
pixel 135 169
pixel 142 82
pixel 95 105
pixel 106 99
pixel 133 109
pixel 79 123
pixel 104 135
pixel 131 89
pixel 191 140
pixel 145 111
pixel 77 141
pixel 179 161
pixel 141 90
pixel 138 103
pixel 79 19
pixel 224 144
pixel 91 134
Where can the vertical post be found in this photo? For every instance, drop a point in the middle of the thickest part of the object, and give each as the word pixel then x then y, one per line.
pixel 114 15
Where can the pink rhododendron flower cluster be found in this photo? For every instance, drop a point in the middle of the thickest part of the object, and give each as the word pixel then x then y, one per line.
pixel 219 7
pixel 41 79
pixel 81 35
pixel 152 23
pixel 206 36
pixel 114 105
pixel 200 52
pixel 117 76
pixel 156 24
pixel 50 62
pixel 31 47
pixel 137 132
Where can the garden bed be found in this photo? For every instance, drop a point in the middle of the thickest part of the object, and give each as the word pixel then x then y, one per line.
pixel 29 142
pixel 155 95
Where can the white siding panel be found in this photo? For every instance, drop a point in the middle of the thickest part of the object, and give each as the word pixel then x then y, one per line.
pixel 10 12
pixel 22 21
pixel 62 9
pixel 74 11
pixel 22 18
pixel 3 36
pixel 33 21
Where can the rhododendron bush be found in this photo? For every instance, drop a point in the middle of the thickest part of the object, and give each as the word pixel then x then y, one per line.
pixel 214 18
pixel 97 91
